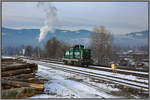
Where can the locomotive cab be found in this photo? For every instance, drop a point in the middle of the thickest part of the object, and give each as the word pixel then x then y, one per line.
pixel 79 47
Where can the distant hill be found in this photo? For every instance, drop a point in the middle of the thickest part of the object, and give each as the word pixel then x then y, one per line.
pixel 15 37
pixel 132 39
pixel 140 35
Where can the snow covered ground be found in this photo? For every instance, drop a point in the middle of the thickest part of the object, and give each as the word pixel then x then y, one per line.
pixel 131 77
pixel 66 85
pixel 9 57
pixel 121 70
pixel 104 73
pixel 62 84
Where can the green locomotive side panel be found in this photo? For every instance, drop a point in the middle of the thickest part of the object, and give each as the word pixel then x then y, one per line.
pixel 66 55
pixel 74 54
pixel 83 56
pixel 78 54
pixel 87 54
pixel 71 55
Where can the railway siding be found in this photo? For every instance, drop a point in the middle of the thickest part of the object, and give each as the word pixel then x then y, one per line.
pixel 135 72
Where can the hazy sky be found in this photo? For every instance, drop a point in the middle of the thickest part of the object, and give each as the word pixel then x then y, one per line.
pixel 118 17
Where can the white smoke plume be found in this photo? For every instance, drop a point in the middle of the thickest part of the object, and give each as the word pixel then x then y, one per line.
pixel 50 21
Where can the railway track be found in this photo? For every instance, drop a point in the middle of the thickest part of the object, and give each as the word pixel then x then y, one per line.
pixel 127 72
pixel 137 85
pixel 111 76
pixel 127 68
pixel 119 67
pixel 136 72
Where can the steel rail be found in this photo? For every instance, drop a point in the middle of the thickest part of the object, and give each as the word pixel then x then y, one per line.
pixel 86 73
pixel 109 70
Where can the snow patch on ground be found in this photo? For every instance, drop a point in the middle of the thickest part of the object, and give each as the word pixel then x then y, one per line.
pixel 9 57
pixel 55 88
pixel 131 77
pixel 60 86
pixel 73 85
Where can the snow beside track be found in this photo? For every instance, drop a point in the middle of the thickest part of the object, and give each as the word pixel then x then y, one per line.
pixel 131 77
pixel 146 73
pixel 59 77
pixel 9 57
pixel 61 86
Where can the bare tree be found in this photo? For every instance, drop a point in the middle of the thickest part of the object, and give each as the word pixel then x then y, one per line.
pixel 50 47
pixel 55 48
pixel 62 47
pixel 28 50
pixel 37 51
pixel 101 45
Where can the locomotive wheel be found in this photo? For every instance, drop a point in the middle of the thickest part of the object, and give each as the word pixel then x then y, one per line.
pixel 81 64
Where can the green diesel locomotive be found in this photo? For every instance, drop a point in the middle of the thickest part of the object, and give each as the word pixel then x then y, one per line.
pixel 77 55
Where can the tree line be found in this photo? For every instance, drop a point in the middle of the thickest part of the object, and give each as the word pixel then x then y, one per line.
pixel 53 48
